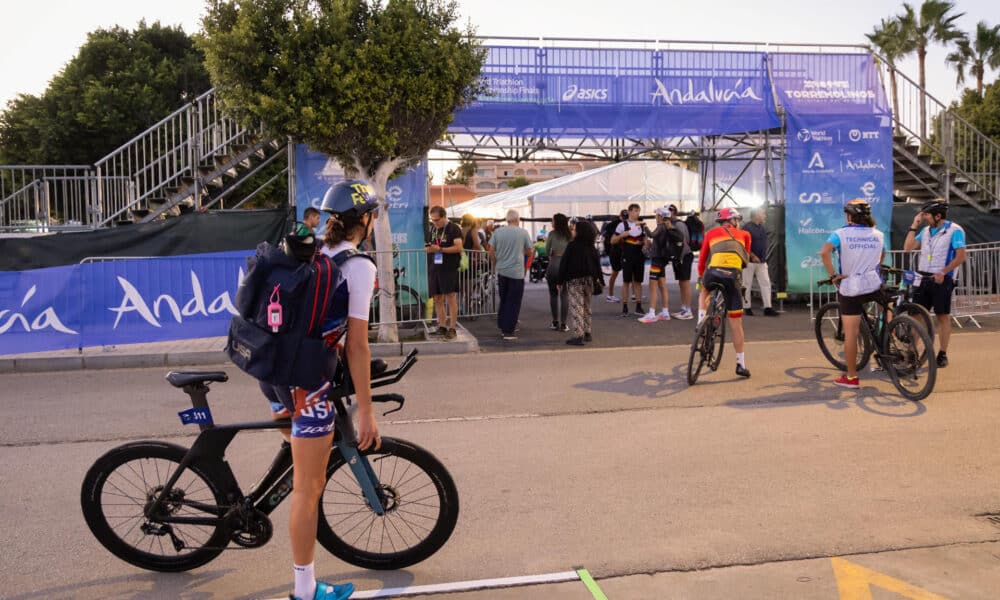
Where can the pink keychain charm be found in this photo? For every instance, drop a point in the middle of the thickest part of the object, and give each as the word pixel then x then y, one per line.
pixel 274 310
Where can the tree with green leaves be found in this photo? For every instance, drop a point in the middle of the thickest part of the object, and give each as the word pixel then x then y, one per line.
pixel 372 84
pixel 519 181
pixel 462 173
pixel 934 23
pixel 892 46
pixel 977 53
pixel 118 84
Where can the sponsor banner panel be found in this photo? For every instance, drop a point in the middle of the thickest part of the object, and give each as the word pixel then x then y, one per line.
pixel 118 302
pixel 834 84
pixel 647 93
pixel 832 159
pixel 40 309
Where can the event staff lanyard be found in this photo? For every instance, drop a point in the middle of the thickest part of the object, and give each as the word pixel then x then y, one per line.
pixel 438 236
pixel 932 239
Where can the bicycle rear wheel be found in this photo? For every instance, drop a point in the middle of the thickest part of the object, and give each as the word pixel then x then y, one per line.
pixel 409 306
pixel 830 336
pixel 119 486
pixel 716 345
pixel 421 508
pixel 907 347
pixel 919 314
pixel 696 360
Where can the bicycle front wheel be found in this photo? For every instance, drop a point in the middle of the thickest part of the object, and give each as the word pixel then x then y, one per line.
pixel 830 336
pixel 119 486
pixel 907 347
pixel 421 508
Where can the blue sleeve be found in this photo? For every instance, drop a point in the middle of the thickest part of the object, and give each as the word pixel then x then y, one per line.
pixel 920 235
pixel 958 239
pixel 834 239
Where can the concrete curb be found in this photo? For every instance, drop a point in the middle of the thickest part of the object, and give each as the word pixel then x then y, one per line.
pixel 463 344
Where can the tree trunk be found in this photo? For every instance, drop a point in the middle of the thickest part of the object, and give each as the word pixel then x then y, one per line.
pixel 894 90
pixel 388 332
pixel 921 59
pixel 979 84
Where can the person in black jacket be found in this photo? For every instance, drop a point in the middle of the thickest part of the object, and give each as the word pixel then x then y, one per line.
pixel 579 269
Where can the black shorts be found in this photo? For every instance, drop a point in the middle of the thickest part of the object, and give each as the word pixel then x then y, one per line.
pixel 935 295
pixel 442 281
pixel 657 270
pixel 633 265
pixel 615 258
pixel 731 281
pixel 682 267
pixel 855 305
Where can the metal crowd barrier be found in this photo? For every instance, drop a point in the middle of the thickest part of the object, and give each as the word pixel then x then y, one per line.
pixel 477 287
pixel 977 287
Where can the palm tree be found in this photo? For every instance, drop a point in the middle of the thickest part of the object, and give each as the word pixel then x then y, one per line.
pixel 888 40
pixel 976 54
pixel 934 23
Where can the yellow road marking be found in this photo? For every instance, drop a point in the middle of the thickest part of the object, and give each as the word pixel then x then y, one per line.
pixel 854 583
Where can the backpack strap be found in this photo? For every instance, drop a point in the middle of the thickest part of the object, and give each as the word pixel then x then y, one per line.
pixel 323 268
pixel 341 257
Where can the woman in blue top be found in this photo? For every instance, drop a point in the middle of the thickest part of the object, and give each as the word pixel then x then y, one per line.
pixel 860 249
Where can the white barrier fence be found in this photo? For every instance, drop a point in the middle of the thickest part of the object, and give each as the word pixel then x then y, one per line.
pixel 977 288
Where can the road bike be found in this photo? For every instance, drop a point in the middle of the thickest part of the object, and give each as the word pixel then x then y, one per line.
pixel 899 301
pixel 163 507
pixel 902 347
pixel 710 335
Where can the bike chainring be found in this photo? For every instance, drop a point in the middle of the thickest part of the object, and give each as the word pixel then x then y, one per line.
pixel 250 528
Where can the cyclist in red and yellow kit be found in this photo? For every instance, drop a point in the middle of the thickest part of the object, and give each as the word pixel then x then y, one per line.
pixel 724 254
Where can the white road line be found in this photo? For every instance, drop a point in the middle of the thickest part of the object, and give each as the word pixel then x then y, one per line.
pixel 465 586
pixel 459 419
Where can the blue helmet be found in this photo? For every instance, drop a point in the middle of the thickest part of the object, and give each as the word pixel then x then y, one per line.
pixel 350 196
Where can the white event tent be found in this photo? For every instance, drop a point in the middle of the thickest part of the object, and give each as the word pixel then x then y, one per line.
pixel 601 191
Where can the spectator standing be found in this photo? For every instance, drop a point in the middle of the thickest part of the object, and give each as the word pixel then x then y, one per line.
pixel 683 260
pixel 444 253
pixel 660 252
pixel 614 252
pixel 555 246
pixel 509 246
pixel 942 251
pixel 632 234
pixel 757 267
pixel 309 222
pixel 579 269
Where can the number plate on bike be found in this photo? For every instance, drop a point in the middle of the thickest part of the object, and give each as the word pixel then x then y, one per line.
pixel 909 277
pixel 196 416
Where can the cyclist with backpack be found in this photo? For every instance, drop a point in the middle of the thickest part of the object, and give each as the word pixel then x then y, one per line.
pixel 353 208
pixel 724 253
pixel 614 252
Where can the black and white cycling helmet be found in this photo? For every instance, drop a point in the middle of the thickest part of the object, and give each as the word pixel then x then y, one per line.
pixel 858 207
pixel 350 196
pixel 302 247
pixel 935 207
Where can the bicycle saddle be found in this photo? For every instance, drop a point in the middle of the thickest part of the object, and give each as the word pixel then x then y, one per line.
pixel 183 378
pixel 378 367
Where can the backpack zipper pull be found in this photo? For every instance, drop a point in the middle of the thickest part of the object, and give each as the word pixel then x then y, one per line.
pixel 274 315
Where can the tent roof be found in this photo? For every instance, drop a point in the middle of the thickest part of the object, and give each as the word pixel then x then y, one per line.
pixel 635 180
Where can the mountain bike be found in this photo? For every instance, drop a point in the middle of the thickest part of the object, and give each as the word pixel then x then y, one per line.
pixel 163 507
pixel 710 335
pixel 898 300
pixel 903 347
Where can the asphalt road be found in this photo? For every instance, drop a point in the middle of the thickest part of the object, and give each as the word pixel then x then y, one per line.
pixel 594 457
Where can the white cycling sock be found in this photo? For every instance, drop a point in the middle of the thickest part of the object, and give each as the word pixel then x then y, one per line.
pixel 741 359
pixel 305 581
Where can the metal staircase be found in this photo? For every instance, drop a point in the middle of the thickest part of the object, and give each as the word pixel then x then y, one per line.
pixel 946 158
pixel 193 159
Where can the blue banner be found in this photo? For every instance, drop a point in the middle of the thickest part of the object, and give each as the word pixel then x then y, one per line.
pixel 118 302
pixel 832 84
pixel 575 92
pixel 829 161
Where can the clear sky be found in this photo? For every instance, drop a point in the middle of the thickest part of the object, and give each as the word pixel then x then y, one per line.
pixel 39 36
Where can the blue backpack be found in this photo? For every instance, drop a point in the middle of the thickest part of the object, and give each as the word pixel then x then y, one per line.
pixel 277 337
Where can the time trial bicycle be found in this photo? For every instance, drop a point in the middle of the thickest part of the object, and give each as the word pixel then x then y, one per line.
pixel 163 507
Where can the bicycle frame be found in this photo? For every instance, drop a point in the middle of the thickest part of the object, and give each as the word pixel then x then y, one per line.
pixel 276 483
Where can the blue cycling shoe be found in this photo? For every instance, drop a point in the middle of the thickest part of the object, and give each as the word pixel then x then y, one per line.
pixel 325 591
